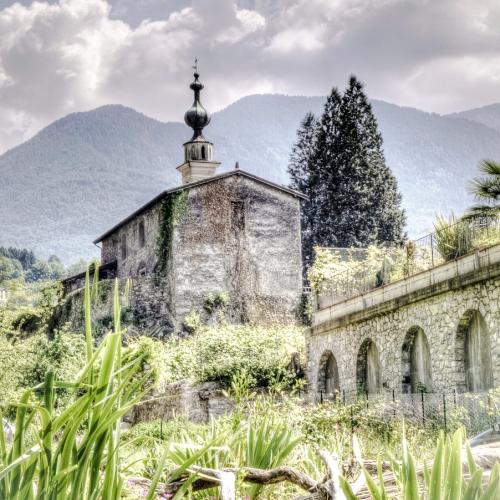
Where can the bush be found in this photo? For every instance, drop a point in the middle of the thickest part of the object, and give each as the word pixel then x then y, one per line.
pixel 192 322
pixel 25 362
pixel 219 353
pixel 64 355
pixel 150 352
pixel 27 321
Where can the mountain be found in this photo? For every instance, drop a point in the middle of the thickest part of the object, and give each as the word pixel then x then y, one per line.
pixel 486 115
pixel 85 172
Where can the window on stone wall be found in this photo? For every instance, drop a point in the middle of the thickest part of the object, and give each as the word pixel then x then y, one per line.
pixel 124 247
pixel 237 215
pixel 142 234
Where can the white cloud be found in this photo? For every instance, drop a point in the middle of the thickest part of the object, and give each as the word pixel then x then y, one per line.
pixel 72 55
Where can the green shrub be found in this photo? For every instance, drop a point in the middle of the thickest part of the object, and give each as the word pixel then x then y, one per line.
pixel 27 321
pixel 64 355
pixel 192 322
pixel 304 309
pixel 216 302
pixel 25 362
pixel 219 353
pixel 151 353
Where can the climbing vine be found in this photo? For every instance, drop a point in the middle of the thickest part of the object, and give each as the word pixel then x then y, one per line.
pixel 172 211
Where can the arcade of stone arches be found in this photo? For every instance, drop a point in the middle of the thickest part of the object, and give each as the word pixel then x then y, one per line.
pixel 472 355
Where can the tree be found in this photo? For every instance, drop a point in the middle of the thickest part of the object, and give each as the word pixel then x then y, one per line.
pixel 9 269
pixel 353 196
pixel 39 271
pixel 487 190
pixel 303 179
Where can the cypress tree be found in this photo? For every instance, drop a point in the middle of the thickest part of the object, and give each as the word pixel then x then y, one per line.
pixel 353 196
pixel 303 179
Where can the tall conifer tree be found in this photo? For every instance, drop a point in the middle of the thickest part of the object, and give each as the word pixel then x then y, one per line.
pixel 303 178
pixel 353 196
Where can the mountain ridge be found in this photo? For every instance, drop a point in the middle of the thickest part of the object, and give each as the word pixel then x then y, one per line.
pixel 84 172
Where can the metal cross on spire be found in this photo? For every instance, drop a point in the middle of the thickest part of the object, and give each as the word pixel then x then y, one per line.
pixel 195 67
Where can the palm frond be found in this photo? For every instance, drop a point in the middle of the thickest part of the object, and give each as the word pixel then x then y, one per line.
pixel 487 211
pixel 487 187
pixel 490 167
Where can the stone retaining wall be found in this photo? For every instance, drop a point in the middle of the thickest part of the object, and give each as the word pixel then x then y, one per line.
pixel 444 309
pixel 198 403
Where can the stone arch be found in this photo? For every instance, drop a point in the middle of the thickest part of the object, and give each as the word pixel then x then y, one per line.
pixel 416 371
pixel 473 353
pixel 328 374
pixel 368 367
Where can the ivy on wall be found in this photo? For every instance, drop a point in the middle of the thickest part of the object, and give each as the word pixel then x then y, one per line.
pixel 172 211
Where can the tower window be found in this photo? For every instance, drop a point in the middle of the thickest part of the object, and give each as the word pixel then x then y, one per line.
pixel 124 247
pixel 203 153
pixel 142 234
pixel 237 215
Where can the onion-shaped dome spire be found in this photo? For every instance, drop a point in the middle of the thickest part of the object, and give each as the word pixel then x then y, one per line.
pixel 197 116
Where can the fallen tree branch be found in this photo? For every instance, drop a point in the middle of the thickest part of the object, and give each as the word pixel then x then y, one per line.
pixel 327 489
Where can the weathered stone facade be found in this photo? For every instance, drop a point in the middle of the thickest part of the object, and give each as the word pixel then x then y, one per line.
pixel 236 234
pixel 443 304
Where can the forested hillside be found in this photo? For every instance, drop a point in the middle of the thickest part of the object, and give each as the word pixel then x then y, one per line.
pixel 83 173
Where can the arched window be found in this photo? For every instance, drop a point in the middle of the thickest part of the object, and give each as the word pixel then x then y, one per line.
pixel 203 153
pixel 368 368
pixel 328 375
pixel 473 353
pixel 416 362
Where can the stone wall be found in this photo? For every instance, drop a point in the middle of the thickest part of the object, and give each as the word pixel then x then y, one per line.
pixel 140 256
pixel 198 403
pixel 253 255
pixel 440 306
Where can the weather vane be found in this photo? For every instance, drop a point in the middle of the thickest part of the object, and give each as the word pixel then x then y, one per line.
pixel 195 67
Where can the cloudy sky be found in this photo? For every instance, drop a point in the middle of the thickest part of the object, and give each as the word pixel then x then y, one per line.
pixel 61 56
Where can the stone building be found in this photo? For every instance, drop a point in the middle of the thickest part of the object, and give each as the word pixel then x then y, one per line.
pixel 228 240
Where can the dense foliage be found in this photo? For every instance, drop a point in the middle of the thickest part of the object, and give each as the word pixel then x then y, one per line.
pixel 219 353
pixel 338 162
pixel 173 208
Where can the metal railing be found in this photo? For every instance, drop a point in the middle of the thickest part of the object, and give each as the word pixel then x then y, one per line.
pixel 475 411
pixel 367 269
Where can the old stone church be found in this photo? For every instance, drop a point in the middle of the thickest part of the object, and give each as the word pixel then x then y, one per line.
pixel 228 240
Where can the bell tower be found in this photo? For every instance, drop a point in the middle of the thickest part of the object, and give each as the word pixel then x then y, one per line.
pixel 198 152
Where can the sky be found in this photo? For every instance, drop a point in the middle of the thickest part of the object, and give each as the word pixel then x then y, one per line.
pixel 62 56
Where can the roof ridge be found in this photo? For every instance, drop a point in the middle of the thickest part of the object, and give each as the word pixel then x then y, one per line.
pixel 201 182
